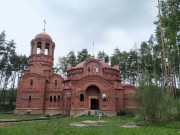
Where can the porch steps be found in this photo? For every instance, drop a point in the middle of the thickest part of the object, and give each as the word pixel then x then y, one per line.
pixel 92 113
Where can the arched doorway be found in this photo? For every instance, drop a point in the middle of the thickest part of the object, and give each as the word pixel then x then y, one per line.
pixel 93 96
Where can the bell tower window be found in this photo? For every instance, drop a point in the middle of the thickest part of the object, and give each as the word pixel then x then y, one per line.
pixel 39 47
pixel 92 68
pixel 47 49
pixel 96 69
pixel 32 48
pixel 88 69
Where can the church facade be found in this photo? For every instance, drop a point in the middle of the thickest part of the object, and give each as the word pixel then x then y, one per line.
pixel 91 85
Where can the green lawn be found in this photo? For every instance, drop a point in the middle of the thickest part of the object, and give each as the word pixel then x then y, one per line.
pixel 62 126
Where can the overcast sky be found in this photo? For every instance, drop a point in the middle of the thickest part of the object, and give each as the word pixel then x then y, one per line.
pixel 76 24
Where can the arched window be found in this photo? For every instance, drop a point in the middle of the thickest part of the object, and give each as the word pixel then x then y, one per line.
pixel 29 98
pixel 104 97
pixel 88 69
pixel 62 85
pixel 32 48
pixel 81 97
pixel 55 82
pixel 31 82
pixel 97 69
pixel 47 82
pixel 58 98
pixel 50 98
pixel 92 68
pixel 54 98
pixel 47 49
pixel 39 47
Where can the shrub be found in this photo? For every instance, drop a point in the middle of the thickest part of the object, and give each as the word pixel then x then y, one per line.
pixel 121 113
pixel 154 105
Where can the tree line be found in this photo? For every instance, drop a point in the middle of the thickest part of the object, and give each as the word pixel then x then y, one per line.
pixel 11 68
pixel 158 58
pixel 158 92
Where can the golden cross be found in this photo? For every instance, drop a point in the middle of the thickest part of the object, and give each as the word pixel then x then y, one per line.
pixel 93 48
pixel 44 30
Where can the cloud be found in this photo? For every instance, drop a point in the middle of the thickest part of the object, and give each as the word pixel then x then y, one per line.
pixel 76 24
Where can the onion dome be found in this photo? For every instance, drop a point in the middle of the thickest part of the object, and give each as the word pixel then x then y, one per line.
pixel 43 36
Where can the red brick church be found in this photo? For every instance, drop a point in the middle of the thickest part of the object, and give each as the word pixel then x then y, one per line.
pixel 91 85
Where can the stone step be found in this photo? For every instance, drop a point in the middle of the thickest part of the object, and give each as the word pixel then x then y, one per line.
pixel 92 113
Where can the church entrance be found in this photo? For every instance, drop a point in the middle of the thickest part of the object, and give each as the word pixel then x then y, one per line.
pixel 93 94
pixel 94 104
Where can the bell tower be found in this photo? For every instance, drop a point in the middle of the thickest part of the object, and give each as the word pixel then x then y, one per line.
pixel 41 55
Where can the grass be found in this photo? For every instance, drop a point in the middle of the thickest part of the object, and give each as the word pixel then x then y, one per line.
pixel 61 126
